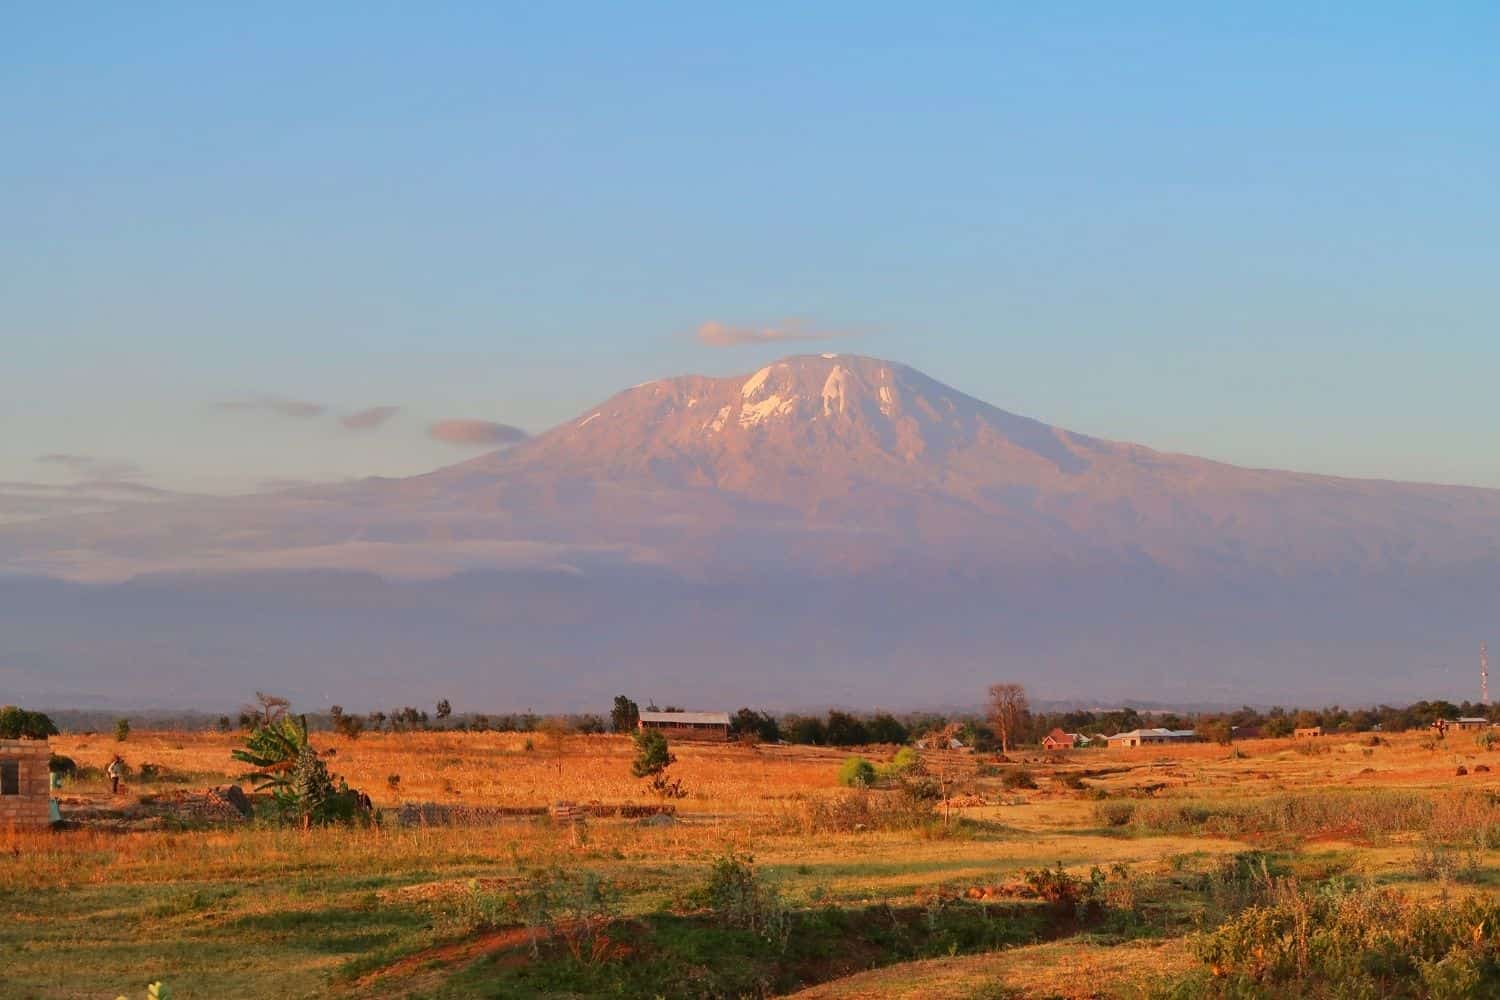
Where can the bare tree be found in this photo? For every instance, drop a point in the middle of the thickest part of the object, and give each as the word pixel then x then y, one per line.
pixel 1008 711
pixel 947 766
pixel 269 707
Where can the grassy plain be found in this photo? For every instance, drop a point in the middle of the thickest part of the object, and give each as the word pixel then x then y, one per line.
pixel 866 908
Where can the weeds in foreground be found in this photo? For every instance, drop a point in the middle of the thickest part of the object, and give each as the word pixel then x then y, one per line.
pixel 1342 940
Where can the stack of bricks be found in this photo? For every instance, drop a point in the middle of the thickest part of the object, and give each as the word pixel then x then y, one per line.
pixel 29 807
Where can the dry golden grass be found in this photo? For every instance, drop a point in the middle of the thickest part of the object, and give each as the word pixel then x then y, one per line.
pixel 215 909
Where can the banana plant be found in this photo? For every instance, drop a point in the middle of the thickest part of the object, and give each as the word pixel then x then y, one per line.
pixel 273 751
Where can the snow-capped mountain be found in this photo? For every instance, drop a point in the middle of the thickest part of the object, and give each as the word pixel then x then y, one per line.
pixel 846 515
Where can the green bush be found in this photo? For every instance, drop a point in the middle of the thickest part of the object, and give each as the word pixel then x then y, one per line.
pixel 740 897
pixel 856 772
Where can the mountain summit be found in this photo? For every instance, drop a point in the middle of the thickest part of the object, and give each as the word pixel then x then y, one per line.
pixel 812 530
pixel 838 457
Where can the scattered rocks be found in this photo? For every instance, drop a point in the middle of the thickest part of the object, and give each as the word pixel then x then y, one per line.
pixel 1481 769
pixel 1460 771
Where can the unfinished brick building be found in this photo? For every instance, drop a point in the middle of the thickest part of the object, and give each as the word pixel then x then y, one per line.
pixel 24 784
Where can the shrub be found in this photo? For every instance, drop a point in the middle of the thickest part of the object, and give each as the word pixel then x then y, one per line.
pixel 741 897
pixel 66 766
pixel 908 807
pixel 1069 895
pixel 905 761
pixel 122 730
pixel 856 772
pixel 1114 813
pixel 1018 777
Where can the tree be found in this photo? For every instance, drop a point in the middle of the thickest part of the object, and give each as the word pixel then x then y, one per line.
pixel 759 725
pixel 624 717
pixel 944 765
pixel 652 758
pixel 652 754
pixel 1008 712
pixel 226 724
pixel 268 707
pixel 19 724
pixel 845 730
pixel 443 709
pixel 806 729
pixel 346 725
pixel 122 729
pixel 589 724
pixel 884 728
pixel 1218 729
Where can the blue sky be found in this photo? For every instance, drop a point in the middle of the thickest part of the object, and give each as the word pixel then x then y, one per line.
pixel 1268 236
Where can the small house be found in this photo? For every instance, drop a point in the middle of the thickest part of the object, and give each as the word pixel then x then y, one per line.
pixel 1059 740
pixel 687 725
pixel 1146 737
pixel 24 784
pixel 1307 732
pixel 1473 722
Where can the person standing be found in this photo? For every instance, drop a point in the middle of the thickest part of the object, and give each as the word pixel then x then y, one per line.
pixel 115 771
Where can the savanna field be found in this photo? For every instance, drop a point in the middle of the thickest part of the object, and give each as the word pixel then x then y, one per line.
pixel 1342 866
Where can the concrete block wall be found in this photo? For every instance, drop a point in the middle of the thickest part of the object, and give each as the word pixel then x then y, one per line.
pixel 29 809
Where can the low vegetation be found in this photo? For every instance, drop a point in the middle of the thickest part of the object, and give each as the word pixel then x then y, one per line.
pixel 752 868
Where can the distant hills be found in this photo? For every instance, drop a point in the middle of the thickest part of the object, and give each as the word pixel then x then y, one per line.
pixel 828 528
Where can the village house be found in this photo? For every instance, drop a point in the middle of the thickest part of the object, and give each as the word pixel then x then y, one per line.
pixel 1307 732
pixel 1143 737
pixel 1059 740
pixel 1473 722
pixel 24 784
pixel 687 725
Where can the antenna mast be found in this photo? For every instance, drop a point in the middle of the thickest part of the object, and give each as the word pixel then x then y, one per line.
pixel 1484 673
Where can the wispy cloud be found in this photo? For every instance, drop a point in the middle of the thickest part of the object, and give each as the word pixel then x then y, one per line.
pixel 475 432
pixel 369 419
pixel 717 334
pixel 92 467
pixel 279 405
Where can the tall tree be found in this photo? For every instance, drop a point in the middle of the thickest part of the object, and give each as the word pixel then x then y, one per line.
pixel 444 709
pixel 624 716
pixel 1008 711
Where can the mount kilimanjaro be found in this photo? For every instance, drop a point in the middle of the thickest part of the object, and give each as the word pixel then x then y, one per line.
pixel 830 528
